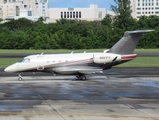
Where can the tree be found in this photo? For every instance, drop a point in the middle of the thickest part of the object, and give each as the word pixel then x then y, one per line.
pixel 153 21
pixel 40 20
pixel 1 20
pixel 107 20
pixel 123 12
pixel 143 22
pixel 21 23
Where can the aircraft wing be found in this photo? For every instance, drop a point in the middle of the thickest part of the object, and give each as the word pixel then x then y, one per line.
pixel 77 69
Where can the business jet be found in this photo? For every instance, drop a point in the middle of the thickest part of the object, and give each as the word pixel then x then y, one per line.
pixel 81 64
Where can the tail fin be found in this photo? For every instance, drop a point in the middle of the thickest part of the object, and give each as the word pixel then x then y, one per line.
pixel 128 42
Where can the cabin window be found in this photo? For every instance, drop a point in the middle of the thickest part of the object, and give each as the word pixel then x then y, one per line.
pixel 26 60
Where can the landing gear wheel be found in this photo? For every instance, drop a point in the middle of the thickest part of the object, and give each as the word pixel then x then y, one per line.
pixel 20 78
pixel 83 78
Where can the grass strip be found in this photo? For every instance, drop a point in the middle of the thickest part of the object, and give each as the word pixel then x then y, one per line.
pixel 4 62
pixel 138 62
pixel 142 62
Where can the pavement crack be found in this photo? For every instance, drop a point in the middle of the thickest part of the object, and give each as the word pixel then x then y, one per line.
pixel 43 100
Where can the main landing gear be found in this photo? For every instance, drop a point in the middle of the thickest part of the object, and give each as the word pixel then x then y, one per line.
pixel 81 76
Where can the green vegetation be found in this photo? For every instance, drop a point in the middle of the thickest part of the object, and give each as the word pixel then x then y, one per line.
pixel 142 62
pixel 8 61
pixel 147 50
pixel 123 11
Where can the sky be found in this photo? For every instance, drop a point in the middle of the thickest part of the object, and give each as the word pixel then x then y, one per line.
pixel 80 3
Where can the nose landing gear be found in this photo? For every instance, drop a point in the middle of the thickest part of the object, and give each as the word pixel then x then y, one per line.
pixel 20 77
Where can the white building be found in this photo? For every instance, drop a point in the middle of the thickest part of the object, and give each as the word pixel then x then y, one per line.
pixel 144 7
pixel 37 7
pixel 92 13
pixel 111 13
pixel 10 9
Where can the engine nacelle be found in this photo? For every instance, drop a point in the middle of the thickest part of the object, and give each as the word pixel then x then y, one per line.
pixel 105 58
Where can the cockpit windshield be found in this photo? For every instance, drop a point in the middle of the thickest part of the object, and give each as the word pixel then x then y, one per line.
pixel 24 60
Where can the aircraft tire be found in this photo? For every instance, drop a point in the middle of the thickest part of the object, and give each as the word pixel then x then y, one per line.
pixel 83 78
pixel 20 78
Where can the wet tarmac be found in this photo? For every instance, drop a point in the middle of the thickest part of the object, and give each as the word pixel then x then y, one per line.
pixel 119 94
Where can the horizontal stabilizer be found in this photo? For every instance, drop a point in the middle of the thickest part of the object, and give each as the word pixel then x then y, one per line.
pixel 138 32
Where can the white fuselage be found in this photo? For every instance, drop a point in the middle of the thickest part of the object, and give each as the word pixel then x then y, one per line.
pixel 68 63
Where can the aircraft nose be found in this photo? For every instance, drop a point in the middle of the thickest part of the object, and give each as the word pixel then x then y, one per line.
pixel 7 69
pixel 11 69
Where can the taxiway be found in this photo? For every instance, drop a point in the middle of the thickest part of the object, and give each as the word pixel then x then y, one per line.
pixel 102 97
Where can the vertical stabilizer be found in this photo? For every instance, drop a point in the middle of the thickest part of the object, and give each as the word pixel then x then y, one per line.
pixel 128 42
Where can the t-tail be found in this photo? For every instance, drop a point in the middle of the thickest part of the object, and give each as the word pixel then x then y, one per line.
pixel 128 42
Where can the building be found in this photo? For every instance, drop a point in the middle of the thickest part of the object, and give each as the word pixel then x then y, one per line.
pixel 111 13
pixel 11 9
pixel 144 7
pixel 37 7
pixel 92 13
